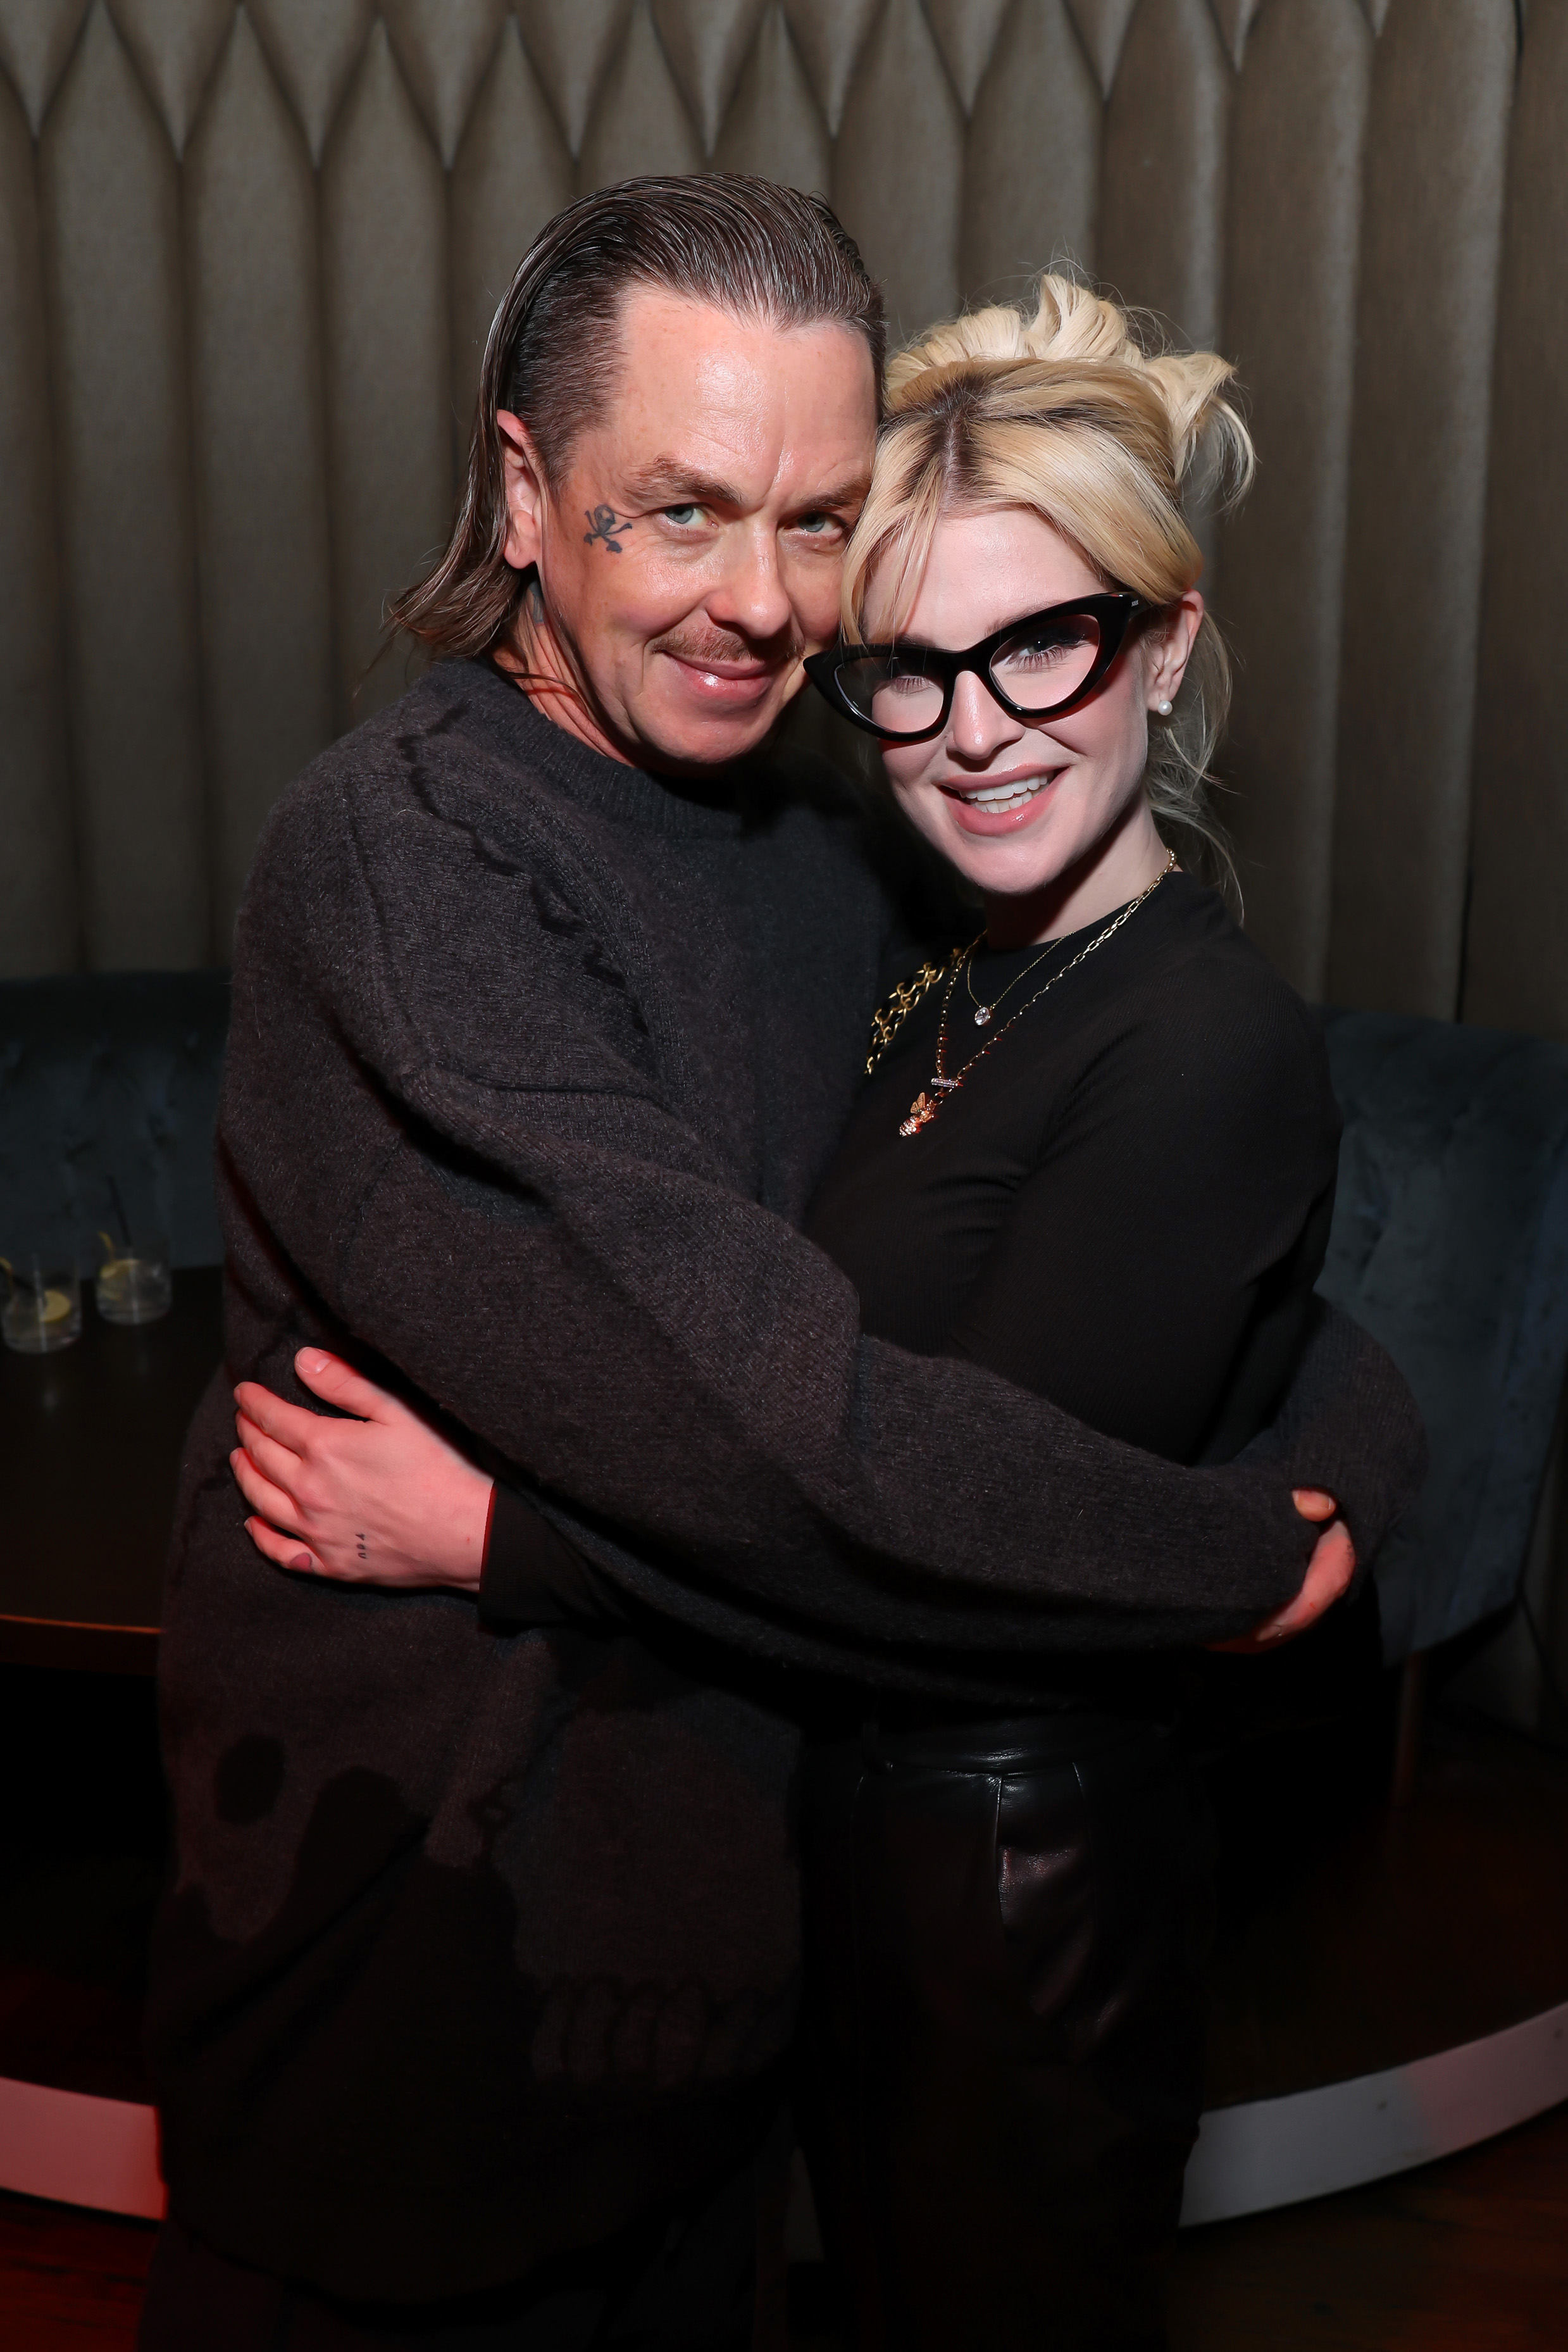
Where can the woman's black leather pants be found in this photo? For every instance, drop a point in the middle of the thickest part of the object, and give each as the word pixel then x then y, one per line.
pixel 1006 1929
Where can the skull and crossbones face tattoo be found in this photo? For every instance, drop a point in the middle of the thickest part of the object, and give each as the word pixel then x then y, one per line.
pixel 603 525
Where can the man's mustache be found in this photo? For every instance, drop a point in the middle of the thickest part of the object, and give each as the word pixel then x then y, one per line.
pixel 713 645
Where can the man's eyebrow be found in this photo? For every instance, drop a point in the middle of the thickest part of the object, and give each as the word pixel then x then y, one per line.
pixel 668 482
pixel 848 493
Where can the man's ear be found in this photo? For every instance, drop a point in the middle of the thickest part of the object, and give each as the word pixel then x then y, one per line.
pixel 525 480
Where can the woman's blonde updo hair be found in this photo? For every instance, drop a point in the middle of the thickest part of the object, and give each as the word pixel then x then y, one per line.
pixel 1073 415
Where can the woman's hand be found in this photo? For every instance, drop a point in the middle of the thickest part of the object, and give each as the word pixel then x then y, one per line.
pixel 1329 1571
pixel 383 1499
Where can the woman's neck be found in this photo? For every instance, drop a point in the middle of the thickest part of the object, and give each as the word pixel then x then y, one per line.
pixel 1116 870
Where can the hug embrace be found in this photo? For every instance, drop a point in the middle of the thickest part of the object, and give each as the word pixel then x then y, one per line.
pixel 774 1327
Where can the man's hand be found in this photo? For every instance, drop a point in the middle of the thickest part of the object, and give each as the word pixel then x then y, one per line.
pixel 383 1499
pixel 1329 1571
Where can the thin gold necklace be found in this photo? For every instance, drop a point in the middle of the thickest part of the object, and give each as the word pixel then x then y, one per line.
pixel 984 1014
pixel 929 1102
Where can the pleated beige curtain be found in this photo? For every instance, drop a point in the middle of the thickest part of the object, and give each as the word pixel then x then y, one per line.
pixel 247 258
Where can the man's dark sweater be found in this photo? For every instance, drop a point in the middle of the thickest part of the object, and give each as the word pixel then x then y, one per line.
pixel 483 1944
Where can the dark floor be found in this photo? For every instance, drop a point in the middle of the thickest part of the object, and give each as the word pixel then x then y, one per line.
pixel 68 2279
pixel 1465 2254
pixel 1469 2255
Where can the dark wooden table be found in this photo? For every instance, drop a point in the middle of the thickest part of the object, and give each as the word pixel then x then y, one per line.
pixel 90 1454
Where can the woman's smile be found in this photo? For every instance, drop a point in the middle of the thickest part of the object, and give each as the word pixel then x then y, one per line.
pixel 1000 804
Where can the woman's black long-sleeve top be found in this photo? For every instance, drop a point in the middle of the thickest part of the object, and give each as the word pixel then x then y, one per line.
pixel 1123 1205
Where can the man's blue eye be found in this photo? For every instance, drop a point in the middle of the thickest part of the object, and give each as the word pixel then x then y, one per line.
pixel 681 514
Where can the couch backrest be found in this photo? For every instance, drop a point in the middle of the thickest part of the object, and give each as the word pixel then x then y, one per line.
pixel 108 1096
pixel 1450 1245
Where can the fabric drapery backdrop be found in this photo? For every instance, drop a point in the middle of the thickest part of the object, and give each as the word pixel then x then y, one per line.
pixel 249 254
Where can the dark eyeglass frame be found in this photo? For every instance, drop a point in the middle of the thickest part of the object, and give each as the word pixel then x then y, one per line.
pixel 1112 614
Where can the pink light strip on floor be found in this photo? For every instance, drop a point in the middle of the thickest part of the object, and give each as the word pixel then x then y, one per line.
pixel 80 2150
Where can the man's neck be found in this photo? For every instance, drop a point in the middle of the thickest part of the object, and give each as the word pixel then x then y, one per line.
pixel 535 660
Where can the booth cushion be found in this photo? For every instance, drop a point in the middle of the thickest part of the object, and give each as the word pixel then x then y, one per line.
pixel 1450 1245
pixel 108 1084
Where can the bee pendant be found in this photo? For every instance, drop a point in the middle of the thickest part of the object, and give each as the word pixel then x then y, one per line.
pixel 922 1110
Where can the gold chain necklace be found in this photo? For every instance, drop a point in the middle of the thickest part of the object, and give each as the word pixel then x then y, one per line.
pixel 888 1018
pixel 927 1103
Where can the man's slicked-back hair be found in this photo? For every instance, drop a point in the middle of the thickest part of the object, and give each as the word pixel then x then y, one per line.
pixel 748 245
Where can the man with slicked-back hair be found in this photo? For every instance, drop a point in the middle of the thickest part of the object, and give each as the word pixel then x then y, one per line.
pixel 473 1989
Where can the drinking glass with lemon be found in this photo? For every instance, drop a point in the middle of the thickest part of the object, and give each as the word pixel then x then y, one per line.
pixel 133 1282
pixel 42 1308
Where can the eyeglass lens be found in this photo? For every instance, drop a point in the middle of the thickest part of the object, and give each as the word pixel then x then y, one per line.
pixel 1040 667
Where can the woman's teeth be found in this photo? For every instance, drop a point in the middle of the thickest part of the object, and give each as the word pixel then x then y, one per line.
pixel 1000 798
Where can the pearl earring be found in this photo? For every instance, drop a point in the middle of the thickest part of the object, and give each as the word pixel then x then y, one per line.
pixel 1164 708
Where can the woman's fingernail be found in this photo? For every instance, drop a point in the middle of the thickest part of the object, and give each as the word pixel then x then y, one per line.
pixel 310 1359
pixel 300 1559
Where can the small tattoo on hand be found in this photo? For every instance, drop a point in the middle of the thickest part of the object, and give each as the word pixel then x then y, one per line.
pixel 359 1547
pixel 605 525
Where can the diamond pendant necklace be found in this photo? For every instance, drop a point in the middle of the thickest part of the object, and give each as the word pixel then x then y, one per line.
pixel 929 1101
pixel 985 1013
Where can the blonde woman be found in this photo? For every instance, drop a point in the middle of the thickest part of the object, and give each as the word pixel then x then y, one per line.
pixel 1094 1153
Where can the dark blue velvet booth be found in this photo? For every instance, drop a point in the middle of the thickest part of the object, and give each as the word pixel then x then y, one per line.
pixel 1450 1245
pixel 1450 1236
pixel 108 1086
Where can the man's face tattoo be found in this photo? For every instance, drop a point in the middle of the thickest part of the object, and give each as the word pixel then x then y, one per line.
pixel 605 525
